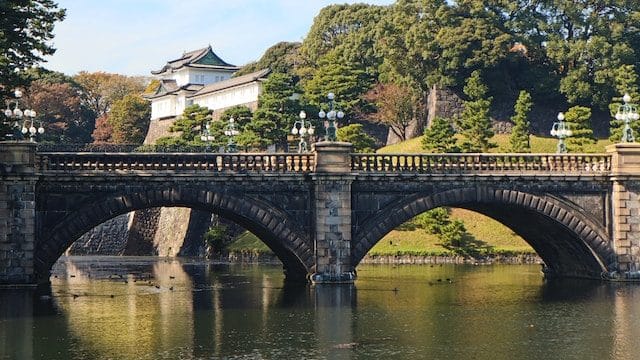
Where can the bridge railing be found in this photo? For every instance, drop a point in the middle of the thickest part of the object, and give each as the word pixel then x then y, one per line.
pixel 242 163
pixel 478 163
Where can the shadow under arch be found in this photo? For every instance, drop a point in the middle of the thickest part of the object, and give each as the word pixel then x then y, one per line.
pixel 569 242
pixel 274 227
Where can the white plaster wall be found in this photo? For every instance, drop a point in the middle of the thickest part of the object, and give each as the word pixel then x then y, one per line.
pixel 162 107
pixel 229 97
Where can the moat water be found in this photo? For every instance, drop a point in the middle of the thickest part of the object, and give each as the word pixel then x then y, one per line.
pixel 149 308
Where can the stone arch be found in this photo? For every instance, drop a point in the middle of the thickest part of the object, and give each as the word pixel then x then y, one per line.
pixel 569 241
pixel 277 229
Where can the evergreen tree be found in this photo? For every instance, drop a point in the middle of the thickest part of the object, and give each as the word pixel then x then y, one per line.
pixel 277 110
pixel 344 80
pixel 440 137
pixel 190 123
pixel 355 135
pixel 578 120
pixel 519 139
pixel 626 80
pixel 26 26
pixel 474 122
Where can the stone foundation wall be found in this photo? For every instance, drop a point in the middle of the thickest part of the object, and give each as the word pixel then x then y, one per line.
pixel 109 238
pixel 142 229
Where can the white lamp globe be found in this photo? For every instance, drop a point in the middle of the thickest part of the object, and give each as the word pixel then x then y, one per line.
pixel 331 96
pixel 340 114
pixel 322 114
pixel 303 115
pixel 40 130
pixel 626 98
pixel 561 116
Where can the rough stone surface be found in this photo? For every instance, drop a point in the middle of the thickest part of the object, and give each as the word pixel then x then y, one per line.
pixel 108 238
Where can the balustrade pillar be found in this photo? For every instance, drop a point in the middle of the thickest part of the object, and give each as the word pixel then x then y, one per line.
pixel 625 199
pixel 17 212
pixel 332 189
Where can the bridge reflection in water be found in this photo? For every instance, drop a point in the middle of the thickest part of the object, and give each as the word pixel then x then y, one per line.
pixel 149 308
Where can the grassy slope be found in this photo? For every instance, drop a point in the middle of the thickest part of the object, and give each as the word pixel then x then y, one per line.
pixel 418 241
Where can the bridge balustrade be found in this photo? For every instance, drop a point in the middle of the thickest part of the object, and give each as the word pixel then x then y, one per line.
pixel 244 163
pixel 479 163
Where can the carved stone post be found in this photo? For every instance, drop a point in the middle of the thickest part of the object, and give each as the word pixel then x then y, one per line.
pixel 17 212
pixel 332 182
pixel 625 174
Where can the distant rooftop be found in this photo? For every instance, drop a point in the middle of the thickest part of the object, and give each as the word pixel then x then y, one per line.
pixel 201 58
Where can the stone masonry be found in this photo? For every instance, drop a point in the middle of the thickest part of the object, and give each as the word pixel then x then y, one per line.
pixel 17 212
pixel 626 207
pixel 332 182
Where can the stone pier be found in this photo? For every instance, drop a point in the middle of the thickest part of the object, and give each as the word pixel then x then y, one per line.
pixel 625 200
pixel 17 212
pixel 332 189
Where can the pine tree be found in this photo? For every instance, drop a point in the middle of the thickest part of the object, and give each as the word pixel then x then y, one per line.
pixel 277 110
pixel 578 119
pixel 626 80
pixel 519 139
pixel 474 122
pixel 440 137
pixel 190 122
pixel 354 134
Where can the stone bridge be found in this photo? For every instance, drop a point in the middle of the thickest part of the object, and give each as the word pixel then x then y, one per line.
pixel 321 212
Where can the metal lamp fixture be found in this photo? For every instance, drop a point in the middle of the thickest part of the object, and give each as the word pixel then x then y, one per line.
pixel 331 116
pixel 231 132
pixel 304 129
pixel 27 117
pixel 561 130
pixel 627 113
pixel 206 135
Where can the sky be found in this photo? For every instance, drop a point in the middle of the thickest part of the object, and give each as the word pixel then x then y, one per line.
pixel 133 37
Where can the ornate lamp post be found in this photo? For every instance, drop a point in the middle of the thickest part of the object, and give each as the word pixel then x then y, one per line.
pixel 627 113
pixel 27 117
pixel 561 131
pixel 206 135
pixel 304 129
pixel 231 132
pixel 331 116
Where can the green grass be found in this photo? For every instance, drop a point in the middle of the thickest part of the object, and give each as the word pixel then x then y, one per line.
pixel 419 242
pixel 248 243
pixel 538 145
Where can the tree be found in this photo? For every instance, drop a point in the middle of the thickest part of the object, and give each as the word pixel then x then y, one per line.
pixel 277 110
pixel 59 112
pixel 129 118
pixel 474 122
pixel 26 26
pixel 395 107
pixel 355 135
pixel 103 130
pixel 578 120
pixel 440 137
pixel 99 90
pixel 519 139
pixel 626 80
pixel 191 123
pixel 586 42
pixel 280 58
pixel 347 31
pixel 344 80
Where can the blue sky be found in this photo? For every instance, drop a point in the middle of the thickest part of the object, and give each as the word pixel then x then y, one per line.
pixel 133 37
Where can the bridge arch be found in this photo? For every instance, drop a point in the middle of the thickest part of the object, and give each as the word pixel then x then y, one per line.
pixel 568 241
pixel 278 230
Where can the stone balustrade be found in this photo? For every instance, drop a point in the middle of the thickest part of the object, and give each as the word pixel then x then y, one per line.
pixel 480 163
pixel 251 163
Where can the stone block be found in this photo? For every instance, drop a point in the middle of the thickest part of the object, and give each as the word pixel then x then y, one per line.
pixel 624 227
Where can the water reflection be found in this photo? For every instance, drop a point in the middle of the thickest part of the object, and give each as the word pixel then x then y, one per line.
pixel 133 308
